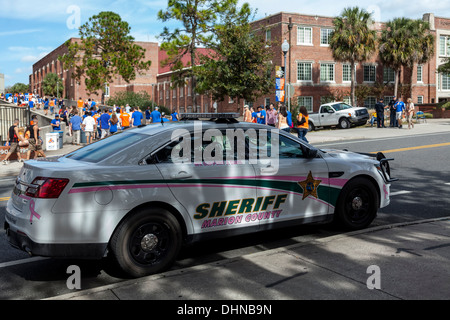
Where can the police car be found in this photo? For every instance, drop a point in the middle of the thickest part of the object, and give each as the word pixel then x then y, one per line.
pixel 139 195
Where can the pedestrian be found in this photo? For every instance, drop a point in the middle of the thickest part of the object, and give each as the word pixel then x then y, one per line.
pixel 104 124
pixel 137 117
pixel 148 111
pixel 46 104
pixel 409 112
pixel 89 126
pixel 13 140
pixel 174 115
pixel 56 123
pixel 392 112
pixel 303 123
pixel 254 115
pixel 271 118
pixel 282 121
pixel 379 108
pixel 261 115
pixel 400 108
pixel 113 123
pixel 247 114
pixel 75 127
pixel 156 116
pixel 80 105
pixel 125 118
pixel 34 140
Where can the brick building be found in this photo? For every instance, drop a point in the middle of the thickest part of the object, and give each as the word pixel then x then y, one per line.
pixel 73 89
pixel 315 77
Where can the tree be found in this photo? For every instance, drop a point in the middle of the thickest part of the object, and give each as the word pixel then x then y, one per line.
pixel 352 40
pixel 397 46
pixel 240 66
pixel 199 19
pixel 423 42
pixel 52 85
pixel 106 50
pixel 18 88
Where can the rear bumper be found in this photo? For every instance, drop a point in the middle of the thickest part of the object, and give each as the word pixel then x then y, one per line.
pixel 21 241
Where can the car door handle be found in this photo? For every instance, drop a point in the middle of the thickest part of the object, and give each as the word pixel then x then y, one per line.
pixel 181 175
pixel 269 170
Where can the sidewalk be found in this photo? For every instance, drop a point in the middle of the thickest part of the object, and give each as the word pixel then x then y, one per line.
pixel 404 261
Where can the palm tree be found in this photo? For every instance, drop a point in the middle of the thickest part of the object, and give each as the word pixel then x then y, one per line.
pixel 397 46
pixel 424 45
pixel 352 40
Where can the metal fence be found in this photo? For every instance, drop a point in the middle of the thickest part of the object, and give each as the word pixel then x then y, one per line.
pixel 7 116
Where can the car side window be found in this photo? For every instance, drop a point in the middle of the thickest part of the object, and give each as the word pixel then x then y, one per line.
pixel 262 146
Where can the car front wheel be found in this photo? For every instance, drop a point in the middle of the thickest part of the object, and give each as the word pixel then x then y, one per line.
pixel 147 242
pixel 357 205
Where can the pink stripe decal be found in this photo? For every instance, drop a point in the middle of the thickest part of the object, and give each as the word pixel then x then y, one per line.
pixel 330 181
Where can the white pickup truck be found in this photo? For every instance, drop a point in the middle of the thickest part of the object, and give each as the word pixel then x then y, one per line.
pixel 338 114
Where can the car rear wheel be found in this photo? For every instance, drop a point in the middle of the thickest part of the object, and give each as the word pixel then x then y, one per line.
pixel 146 242
pixel 357 205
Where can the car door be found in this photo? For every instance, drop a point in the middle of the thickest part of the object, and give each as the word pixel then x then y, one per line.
pixel 292 184
pixel 217 194
pixel 327 116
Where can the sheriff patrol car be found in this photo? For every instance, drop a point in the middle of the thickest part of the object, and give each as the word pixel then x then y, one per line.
pixel 139 195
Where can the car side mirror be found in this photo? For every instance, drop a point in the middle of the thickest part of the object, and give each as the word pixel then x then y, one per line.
pixel 311 153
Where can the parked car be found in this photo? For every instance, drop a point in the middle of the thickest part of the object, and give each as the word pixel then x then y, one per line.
pixel 338 114
pixel 139 195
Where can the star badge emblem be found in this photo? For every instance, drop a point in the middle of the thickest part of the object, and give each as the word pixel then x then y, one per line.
pixel 309 186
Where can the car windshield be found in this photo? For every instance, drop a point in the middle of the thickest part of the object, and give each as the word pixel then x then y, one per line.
pixel 104 148
pixel 341 106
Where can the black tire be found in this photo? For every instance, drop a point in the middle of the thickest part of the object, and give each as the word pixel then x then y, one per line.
pixel 344 123
pixel 311 127
pixel 146 242
pixel 357 204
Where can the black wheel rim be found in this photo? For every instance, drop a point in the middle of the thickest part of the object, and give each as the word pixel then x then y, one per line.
pixel 149 243
pixel 358 205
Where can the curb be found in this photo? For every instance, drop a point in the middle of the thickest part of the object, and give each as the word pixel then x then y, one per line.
pixel 224 262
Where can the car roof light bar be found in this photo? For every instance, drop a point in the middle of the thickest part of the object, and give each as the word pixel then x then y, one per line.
pixel 209 115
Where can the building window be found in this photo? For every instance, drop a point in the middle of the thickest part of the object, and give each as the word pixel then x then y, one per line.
pixel 387 99
pixel 444 46
pixel 445 83
pixel 182 92
pixel 325 36
pixel 388 74
pixel 304 71
pixel 327 72
pixel 369 73
pixel 347 100
pixel 419 73
pixel 346 73
pixel 174 93
pixel 420 99
pixel 370 102
pixel 268 35
pixel 306 102
pixel 266 101
pixel 304 36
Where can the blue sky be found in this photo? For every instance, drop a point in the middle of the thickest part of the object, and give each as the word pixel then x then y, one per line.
pixel 29 29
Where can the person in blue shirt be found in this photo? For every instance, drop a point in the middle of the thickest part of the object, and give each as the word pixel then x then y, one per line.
pixel 156 115
pixel 31 104
pixel 137 117
pixel 104 123
pixel 75 126
pixel 400 108
pixel 174 115
pixel 148 115
pixel 261 117
pixel 56 123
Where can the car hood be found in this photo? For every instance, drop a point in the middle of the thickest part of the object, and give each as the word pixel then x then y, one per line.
pixel 349 155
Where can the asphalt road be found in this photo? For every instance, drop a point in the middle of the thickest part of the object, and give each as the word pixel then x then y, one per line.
pixel 421 163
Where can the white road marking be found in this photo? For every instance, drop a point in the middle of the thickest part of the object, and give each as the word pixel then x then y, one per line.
pixel 22 261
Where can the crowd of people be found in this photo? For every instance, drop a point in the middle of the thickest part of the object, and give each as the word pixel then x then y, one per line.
pixel 397 110
pixel 281 118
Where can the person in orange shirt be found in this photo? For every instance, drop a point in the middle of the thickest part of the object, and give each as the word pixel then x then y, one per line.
pixel 80 105
pixel 125 118
pixel 303 123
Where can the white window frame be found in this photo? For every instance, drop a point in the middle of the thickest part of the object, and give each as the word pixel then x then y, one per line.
pixel 301 102
pixel 445 81
pixel 325 35
pixel 444 46
pixel 374 73
pixel 372 102
pixel 325 69
pixel 306 63
pixel 420 73
pixel 419 99
pixel 301 31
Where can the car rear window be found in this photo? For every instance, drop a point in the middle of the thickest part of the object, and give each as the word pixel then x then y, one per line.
pixel 102 149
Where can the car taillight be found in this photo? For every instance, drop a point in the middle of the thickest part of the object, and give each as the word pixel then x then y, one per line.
pixel 49 188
